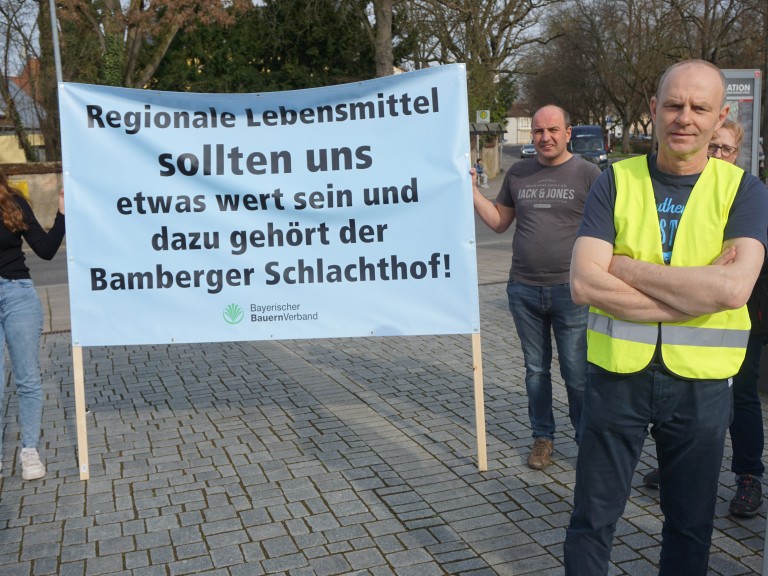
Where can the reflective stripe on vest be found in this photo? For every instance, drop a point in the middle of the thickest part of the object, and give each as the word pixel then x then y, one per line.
pixel 622 329
pixel 673 334
pixel 706 347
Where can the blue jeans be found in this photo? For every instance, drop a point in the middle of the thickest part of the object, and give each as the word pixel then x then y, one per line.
pixel 537 311
pixel 747 426
pixel 688 420
pixel 21 323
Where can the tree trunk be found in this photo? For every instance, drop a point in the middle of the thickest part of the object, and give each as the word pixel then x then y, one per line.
pixel 154 62
pixel 626 147
pixel 385 61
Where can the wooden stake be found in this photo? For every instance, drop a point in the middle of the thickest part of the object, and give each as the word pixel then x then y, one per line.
pixel 82 431
pixel 477 363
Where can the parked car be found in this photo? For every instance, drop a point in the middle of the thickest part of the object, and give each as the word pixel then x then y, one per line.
pixel 527 151
pixel 588 142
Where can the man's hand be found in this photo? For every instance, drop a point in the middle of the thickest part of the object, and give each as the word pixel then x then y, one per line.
pixel 727 256
pixel 621 267
pixel 496 216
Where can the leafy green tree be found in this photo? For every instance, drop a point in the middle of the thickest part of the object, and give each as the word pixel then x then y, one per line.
pixel 504 96
pixel 215 58
pixel 133 37
pixel 275 46
pixel 316 43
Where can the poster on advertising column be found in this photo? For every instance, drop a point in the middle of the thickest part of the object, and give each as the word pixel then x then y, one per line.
pixel 342 211
pixel 742 95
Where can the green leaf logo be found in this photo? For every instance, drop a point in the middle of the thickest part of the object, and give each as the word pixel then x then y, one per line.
pixel 233 314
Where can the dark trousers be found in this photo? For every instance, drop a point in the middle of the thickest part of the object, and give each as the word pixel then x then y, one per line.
pixel 747 426
pixel 688 420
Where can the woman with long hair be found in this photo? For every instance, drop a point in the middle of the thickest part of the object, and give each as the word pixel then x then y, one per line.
pixel 21 316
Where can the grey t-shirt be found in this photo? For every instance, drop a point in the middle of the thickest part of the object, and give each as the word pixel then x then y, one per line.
pixel 548 203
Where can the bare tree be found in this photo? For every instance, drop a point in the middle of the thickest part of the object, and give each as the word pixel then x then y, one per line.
pixel 606 59
pixel 707 27
pixel 627 45
pixel 423 46
pixel 488 35
pixel 729 33
pixel 17 20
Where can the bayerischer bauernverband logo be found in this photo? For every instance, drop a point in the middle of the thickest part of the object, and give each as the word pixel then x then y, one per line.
pixel 233 314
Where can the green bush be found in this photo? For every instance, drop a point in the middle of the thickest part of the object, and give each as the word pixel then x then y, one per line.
pixel 640 146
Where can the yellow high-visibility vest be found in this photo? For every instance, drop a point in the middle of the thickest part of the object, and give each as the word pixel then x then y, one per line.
pixel 707 347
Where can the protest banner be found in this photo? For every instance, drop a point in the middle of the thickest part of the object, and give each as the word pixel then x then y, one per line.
pixel 334 212
pixel 343 211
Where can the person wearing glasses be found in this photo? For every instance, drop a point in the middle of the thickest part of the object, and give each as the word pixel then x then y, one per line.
pixel 726 142
pixel 669 250
pixel 746 429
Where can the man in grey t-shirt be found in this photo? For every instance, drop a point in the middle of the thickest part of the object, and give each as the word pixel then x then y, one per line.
pixel 545 196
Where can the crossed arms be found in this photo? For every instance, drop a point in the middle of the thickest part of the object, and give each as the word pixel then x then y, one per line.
pixel 642 292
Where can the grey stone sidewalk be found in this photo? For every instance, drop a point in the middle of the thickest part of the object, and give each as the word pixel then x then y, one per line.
pixel 311 457
pixel 344 456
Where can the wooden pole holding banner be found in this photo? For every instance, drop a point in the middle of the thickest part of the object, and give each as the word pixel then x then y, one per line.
pixel 82 430
pixel 477 365
pixel 77 351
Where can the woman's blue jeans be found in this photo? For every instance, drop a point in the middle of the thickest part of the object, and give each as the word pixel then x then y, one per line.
pixel 688 420
pixel 537 312
pixel 21 323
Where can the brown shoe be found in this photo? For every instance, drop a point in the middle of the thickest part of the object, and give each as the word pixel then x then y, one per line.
pixel 541 453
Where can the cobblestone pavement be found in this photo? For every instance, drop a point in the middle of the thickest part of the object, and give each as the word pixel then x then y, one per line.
pixel 312 457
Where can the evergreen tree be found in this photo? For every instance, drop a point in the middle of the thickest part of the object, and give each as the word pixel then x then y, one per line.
pixel 280 45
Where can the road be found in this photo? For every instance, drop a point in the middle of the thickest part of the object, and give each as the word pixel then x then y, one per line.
pixel 47 272
pixel 485 237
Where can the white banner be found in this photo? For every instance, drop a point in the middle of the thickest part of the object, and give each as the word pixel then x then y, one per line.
pixel 333 212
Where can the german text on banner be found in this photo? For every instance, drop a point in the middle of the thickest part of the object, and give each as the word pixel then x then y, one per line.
pixel 342 211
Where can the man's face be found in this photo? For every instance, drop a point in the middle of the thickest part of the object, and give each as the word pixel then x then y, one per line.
pixel 723 145
pixel 550 136
pixel 687 111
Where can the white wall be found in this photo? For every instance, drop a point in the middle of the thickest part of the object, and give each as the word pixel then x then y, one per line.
pixel 518 130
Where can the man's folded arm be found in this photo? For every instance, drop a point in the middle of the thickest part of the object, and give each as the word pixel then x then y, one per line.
pixel 697 290
pixel 593 284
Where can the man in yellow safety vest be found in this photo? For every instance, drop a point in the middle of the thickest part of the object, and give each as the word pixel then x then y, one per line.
pixel 668 252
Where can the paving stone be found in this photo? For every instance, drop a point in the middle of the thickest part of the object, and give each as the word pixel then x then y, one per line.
pixel 191 566
pixel 307 457
pixel 365 558
pixel 103 565
pixel 65 569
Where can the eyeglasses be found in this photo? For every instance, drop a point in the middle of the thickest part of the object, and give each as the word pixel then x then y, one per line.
pixel 725 151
